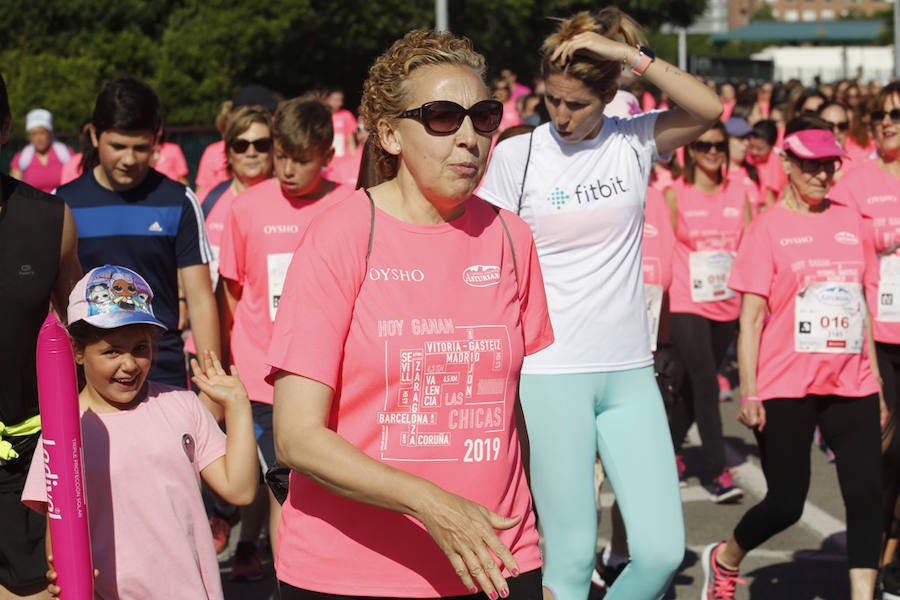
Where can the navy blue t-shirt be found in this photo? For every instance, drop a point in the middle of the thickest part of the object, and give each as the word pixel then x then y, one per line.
pixel 154 229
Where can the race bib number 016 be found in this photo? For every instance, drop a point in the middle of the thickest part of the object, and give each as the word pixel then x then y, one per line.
pixel 709 270
pixel 830 317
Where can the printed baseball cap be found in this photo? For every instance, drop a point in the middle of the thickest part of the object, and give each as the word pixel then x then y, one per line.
pixel 112 296
pixel 813 143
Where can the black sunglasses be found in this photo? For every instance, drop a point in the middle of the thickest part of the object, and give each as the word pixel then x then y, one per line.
pixel 701 146
pixel 443 117
pixel 878 116
pixel 811 166
pixel 262 145
pixel 840 125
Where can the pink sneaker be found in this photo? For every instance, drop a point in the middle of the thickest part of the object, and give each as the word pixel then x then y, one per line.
pixel 719 583
pixel 724 490
pixel 679 463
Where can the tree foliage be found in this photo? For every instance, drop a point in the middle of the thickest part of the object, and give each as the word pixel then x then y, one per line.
pixel 57 54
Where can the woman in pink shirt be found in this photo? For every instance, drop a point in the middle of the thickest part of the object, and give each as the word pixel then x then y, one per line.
pixel 709 213
pixel 404 319
pixel 872 188
pixel 804 358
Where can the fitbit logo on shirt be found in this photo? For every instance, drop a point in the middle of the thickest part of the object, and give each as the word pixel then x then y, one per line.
pixel 587 193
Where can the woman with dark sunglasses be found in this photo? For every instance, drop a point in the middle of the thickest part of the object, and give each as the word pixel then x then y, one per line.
pixel 709 214
pixel 398 344
pixel 580 181
pixel 804 356
pixel 871 187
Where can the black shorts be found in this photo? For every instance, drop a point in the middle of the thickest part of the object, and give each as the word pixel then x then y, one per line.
pixel 526 586
pixel 23 557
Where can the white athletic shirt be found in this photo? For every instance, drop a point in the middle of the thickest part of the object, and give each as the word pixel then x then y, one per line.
pixel 585 204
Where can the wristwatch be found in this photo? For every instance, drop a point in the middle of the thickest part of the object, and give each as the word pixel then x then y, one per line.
pixel 644 58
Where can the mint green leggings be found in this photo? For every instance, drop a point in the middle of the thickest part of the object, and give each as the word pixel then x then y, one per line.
pixel 569 418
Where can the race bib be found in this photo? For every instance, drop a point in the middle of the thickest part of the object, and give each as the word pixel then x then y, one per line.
pixel 277 265
pixel 653 294
pixel 889 289
pixel 709 270
pixel 830 317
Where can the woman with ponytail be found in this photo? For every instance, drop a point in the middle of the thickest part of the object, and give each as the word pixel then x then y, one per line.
pixel 580 181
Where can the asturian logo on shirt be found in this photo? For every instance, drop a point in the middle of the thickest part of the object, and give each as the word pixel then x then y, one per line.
pixel 481 275
pixel 650 231
pixel 731 212
pixel 846 238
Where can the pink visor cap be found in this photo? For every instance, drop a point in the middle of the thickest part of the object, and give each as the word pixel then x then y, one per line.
pixel 111 296
pixel 813 143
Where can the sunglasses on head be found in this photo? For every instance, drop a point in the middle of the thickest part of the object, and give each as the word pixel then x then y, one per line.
pixel 812 166
pixel 241 145
pixel 704 147
pixel 443 117
pixel 878 116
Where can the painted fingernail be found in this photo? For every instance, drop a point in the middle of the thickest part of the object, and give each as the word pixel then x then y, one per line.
pixel 504 593
pixel 515 572
pixel 473 589
pixel 493 595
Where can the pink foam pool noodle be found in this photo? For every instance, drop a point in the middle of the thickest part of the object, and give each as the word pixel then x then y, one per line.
pixel 63 462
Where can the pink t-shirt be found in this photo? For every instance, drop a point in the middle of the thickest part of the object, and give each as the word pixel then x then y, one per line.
pixel 260 236
pixel 857 153
pixel 345 169
pixel 45 177
pixel 213 167
pixel 709 229
pixel 771 173
pixel 344 124
pixel 71 170
pixel 142 474
pixel 875 194
pixel 658 240
pixel 756 196
pixel 215 230
pixel 423 345
pixel 511 116
pixel 170 161
pixel 806 266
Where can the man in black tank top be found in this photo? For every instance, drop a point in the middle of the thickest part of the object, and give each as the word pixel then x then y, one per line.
pixel 38 264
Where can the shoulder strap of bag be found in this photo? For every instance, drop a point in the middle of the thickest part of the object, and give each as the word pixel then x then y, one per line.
pixel 524 175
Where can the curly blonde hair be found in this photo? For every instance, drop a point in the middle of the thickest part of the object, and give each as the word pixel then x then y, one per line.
pixel 385 90
pixel 600 76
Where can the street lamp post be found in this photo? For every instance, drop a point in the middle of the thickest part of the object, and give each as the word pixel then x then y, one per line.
pixel 440 15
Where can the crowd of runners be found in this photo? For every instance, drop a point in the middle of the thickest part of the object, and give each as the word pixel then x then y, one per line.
pixel 397 346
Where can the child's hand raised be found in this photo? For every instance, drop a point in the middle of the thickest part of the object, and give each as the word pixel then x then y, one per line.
pixel 222 388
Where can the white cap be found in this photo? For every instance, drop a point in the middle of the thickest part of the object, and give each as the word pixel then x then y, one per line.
pixel 39 117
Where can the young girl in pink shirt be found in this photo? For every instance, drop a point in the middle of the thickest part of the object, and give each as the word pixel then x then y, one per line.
pixel 805 360
pixel 709 213
pixel 147 446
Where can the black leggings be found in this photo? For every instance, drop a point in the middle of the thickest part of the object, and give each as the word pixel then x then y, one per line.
pixel 889 365
pixel 701 345
pixel 850 427
pixel 526 586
